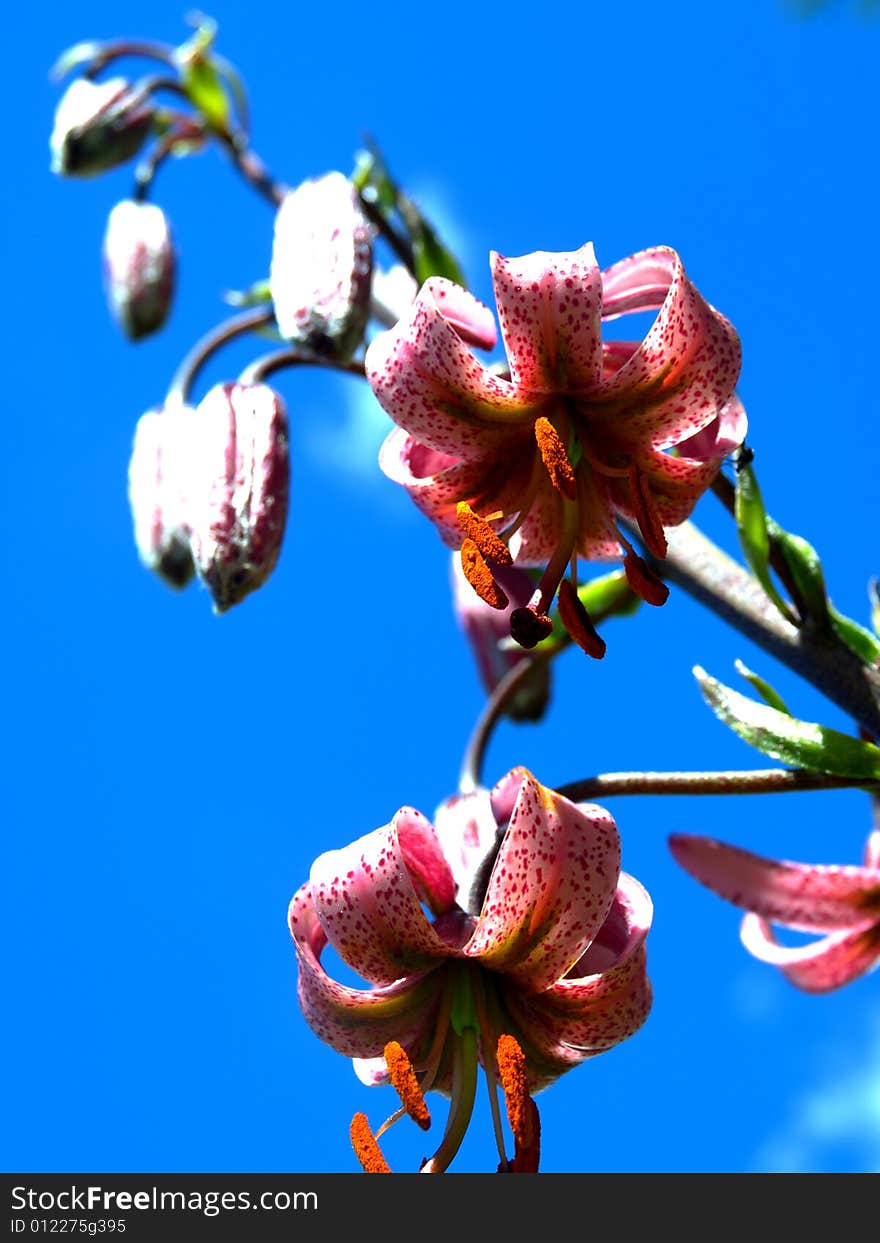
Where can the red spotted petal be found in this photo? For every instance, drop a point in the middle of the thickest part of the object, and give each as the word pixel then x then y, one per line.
pixel 368 906
pixel 430 383
pixel 680 377
pixel 473 321
pixel 826 964
pixel 550 309
pixel 603 1000
pixel 809 897
pixel 550 890
pixel 638 283
pixel 355 1022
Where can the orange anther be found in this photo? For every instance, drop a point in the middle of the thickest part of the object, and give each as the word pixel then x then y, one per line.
pixel 644 581
pixel 555 458
pixel 366 1149
pixel 404 1081
pixel 645 513
pixel 478 574
pixel 522 1112
pixel 491 545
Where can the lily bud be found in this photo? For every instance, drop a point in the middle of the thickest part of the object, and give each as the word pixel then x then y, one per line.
pixel 322 259
pixel 97 126
pixel 159 462
pixel 237 505
pixel 488 629
pixel 140 266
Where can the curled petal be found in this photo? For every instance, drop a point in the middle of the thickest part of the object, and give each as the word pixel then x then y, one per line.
pixel 638 283
pixel 550 890
pixel 368 906
pixel 823 965
pixel 355 1022
pixel 550 310
pixel 809 897
pixel 473 321
pixel 603 1000
pixel 680 377
pixel 424 859
pixel 427 379
pixel 466 830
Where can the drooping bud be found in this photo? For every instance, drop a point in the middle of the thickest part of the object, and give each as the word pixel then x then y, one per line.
pixel 488 630
pixel 159 462
pixel 238 499
pixel 140 267
pixel 97 126
pixel 322 258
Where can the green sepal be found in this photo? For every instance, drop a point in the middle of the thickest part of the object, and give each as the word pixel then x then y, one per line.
pixel 201 81
pixel 259 294
pixel 801 744
pixel 754 537
pixel 764 689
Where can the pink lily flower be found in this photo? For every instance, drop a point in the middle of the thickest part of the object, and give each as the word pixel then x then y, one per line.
pixel 842 902
pixel 535 465
pixel 534 934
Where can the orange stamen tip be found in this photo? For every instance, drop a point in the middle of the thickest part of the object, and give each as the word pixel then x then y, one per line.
pixel 366 1149
pixel 478 574
pixel 522 1112
pixel 555 458
pixel 490 544
pixel 645 513
pixel 528 628
pixel 644 581
pixel 578 623
pixel 406 1085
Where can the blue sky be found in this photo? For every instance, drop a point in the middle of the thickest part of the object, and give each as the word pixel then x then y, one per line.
pixel 170 775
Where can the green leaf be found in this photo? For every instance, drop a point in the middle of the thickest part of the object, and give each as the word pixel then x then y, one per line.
pixel 201 80
pixel 754 538
pixel 806 571
pixel 764 689
pixel 801 744
pixel 431 257
pixel 856 637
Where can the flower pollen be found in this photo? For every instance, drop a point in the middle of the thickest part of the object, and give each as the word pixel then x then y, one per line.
pixel 522 1112
pixel 365 1146
pixel 403 1079
pixel 478 574
pixel 492 547
pixel 555 458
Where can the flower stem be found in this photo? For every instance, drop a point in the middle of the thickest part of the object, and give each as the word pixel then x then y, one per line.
pixel 472 763
pixel 185 375
pixel 754 781
pixel 257 371
pixel 714 579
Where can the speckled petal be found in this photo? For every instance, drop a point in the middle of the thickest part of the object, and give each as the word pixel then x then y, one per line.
pixel 638 283
pixel 428 380
pixel 471 319
pixel 466 829
pixel 436 482
pixel 354 1022
pixel 596 530
pixel 550 890
pixel 424 858
pixel 677 481
pixel 679 378
pixel 369 909
pixel 810 897
pixel 603 999
pixel 536 540
pixel 550 306
pixel 826 964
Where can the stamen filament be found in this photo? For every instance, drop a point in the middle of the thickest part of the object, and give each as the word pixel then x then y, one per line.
pixel 487 1041
pixel 464 1090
